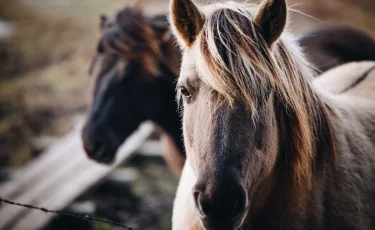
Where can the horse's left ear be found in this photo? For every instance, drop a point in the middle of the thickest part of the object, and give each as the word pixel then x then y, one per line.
pixel 161 27
pixel 103 21
pixel 186 20
pixel 271 19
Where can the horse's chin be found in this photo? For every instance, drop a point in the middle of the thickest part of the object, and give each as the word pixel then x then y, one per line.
pixel 108 160
pixel 103 155
pixel 216 224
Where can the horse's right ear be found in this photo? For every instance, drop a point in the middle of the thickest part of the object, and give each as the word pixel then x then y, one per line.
pixel 271 19
pixel 186 20
pixel 103 21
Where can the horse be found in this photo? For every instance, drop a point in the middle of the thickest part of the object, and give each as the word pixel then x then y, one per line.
pixel 112 107
pixel 334 45
pixel 134 69
pixel 268 145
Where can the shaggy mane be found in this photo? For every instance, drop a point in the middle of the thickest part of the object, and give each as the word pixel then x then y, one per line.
pixel 131 36
pixel 238 64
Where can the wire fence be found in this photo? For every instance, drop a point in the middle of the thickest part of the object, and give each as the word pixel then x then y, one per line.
pixel 63 213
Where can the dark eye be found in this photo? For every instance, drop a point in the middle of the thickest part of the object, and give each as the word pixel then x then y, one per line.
pixel 184 91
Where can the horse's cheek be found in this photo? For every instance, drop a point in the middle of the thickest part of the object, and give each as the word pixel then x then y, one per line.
pixel 189 134
pixel 187 128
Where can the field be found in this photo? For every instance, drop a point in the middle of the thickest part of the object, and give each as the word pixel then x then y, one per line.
pixel 44 84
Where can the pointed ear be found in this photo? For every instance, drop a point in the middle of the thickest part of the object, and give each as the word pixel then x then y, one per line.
pixel 271 19
pixel 186 20
pixel 161 27
pixel 103 22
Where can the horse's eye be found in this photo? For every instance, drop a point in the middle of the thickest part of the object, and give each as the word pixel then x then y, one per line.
pixel 184 92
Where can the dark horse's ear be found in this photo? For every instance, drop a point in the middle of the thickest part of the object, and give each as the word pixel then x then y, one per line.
pixel 271 19
pixel 103 21
pixel 186 20
pixel 161 27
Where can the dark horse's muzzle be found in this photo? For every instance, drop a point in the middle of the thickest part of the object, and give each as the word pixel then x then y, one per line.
pixel 98 147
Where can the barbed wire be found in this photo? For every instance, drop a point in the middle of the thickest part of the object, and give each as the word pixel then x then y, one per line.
pixel 63 213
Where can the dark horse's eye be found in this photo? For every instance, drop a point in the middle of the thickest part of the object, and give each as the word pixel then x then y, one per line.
pixel 184 92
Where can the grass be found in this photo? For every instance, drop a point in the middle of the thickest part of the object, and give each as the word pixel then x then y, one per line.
pixel 43 74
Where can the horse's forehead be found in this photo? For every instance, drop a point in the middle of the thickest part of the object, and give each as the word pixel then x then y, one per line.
pixel 121 64
pixel 103 79
pixel 118 66
pixel 188 65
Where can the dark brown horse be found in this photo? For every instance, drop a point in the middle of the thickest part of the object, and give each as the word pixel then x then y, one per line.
pixel 135 69
pixel 269 146
pixel 331 46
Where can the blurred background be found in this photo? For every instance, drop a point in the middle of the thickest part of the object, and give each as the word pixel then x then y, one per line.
pixel 45 51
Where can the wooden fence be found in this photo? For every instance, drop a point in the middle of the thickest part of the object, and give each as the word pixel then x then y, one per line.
pixel 59 176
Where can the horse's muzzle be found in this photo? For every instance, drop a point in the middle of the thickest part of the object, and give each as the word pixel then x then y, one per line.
pixel 221 208
pixel 98 149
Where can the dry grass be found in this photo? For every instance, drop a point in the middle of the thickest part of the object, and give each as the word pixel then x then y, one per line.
pixel 43 77
pixel 43 70
pixel 40 39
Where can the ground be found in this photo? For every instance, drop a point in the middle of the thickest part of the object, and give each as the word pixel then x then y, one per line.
pixel 44 84
pixel 145 202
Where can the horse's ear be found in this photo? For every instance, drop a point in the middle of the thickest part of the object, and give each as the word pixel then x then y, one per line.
pixel 161 27
pixel 271 19
pixel 103 21
pixel 186 20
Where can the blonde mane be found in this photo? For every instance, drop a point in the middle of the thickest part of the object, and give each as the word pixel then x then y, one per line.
pixel 237 64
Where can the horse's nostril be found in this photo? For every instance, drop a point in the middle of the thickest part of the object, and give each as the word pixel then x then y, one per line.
pixel 225 204
pixel 239 208
pixel 198 205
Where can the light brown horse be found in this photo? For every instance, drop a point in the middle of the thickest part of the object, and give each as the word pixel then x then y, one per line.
pixel 267 147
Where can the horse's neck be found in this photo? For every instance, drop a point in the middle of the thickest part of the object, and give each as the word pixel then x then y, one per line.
pixel 280 200
pixel 169 125
pixel 350 112
pixel 169 120
pixel 282 207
